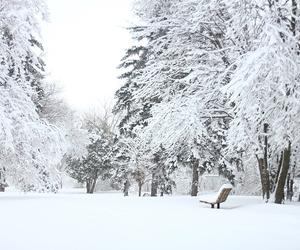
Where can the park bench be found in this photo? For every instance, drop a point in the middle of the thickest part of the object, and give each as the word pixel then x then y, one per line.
pixel 220 197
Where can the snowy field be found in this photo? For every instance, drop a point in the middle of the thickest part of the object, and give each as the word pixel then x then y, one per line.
pixel 109 221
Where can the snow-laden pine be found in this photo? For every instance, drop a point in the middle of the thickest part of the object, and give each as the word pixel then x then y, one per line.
pixel 216 84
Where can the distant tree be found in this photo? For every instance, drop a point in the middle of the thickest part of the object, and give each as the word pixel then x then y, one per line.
pixel 139 176
pixel 131 163
pixel 122 154
pixel 97 162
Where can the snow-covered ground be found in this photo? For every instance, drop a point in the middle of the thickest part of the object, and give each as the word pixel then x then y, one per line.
pixel 109 221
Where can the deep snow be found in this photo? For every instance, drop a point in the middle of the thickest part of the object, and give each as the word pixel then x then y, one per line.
pixel 109 221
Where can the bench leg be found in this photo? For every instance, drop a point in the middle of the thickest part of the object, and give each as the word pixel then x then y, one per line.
pixel 218 205
pixel 212 205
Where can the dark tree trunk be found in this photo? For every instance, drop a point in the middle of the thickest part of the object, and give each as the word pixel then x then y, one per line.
pixel 278 170
pixel 126 188
pixel 140 184
pixel 154 185
pixel 195 178
pixel 263 166
pixel 260 162
pixel 88 186
pixel 265 179
pixel 93 185
pixel 266 173
pixel 3 183
pixel 279 191
pixel 161 193
pixel 289 188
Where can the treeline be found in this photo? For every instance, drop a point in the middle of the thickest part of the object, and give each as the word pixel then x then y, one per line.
pixel 214 85
pixel 209 87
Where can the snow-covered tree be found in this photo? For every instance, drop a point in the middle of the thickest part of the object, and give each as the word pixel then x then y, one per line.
pixel 97 162
pixel 264 87
pixel 30 146
pixel 186 57
pixel 216 85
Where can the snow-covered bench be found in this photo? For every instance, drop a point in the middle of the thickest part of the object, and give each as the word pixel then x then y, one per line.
pixel 220 197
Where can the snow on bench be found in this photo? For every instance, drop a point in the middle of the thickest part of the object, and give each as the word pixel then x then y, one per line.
pixel 220 197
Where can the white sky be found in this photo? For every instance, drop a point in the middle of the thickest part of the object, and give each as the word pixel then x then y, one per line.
pixel 84 43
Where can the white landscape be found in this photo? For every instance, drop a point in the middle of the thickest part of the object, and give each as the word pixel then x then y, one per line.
pixel 150 125
pixel 109 221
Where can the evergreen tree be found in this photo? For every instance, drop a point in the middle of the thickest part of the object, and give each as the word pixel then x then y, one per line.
pixel 97 162
pixel 30 146
pixel 179 82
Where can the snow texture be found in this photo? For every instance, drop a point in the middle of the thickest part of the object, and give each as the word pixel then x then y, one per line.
pixel 109 221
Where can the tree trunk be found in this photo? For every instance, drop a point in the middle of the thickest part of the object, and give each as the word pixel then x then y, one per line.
pixel 154 185
pixel 88 186
pixel 260 168
pixel 263 166
pixel 140 184
pixel 264 177
pixel 279 190
pixel 278 170
pixel 195 178
pixel 290 188
pixel 3 183
pixel 93 186
pixel 126 188
pixel 161 193
pixel 266 173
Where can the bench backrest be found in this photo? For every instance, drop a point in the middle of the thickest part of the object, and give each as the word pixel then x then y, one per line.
pixel 223 194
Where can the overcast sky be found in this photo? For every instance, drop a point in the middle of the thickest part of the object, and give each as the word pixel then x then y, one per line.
pixel 84 42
